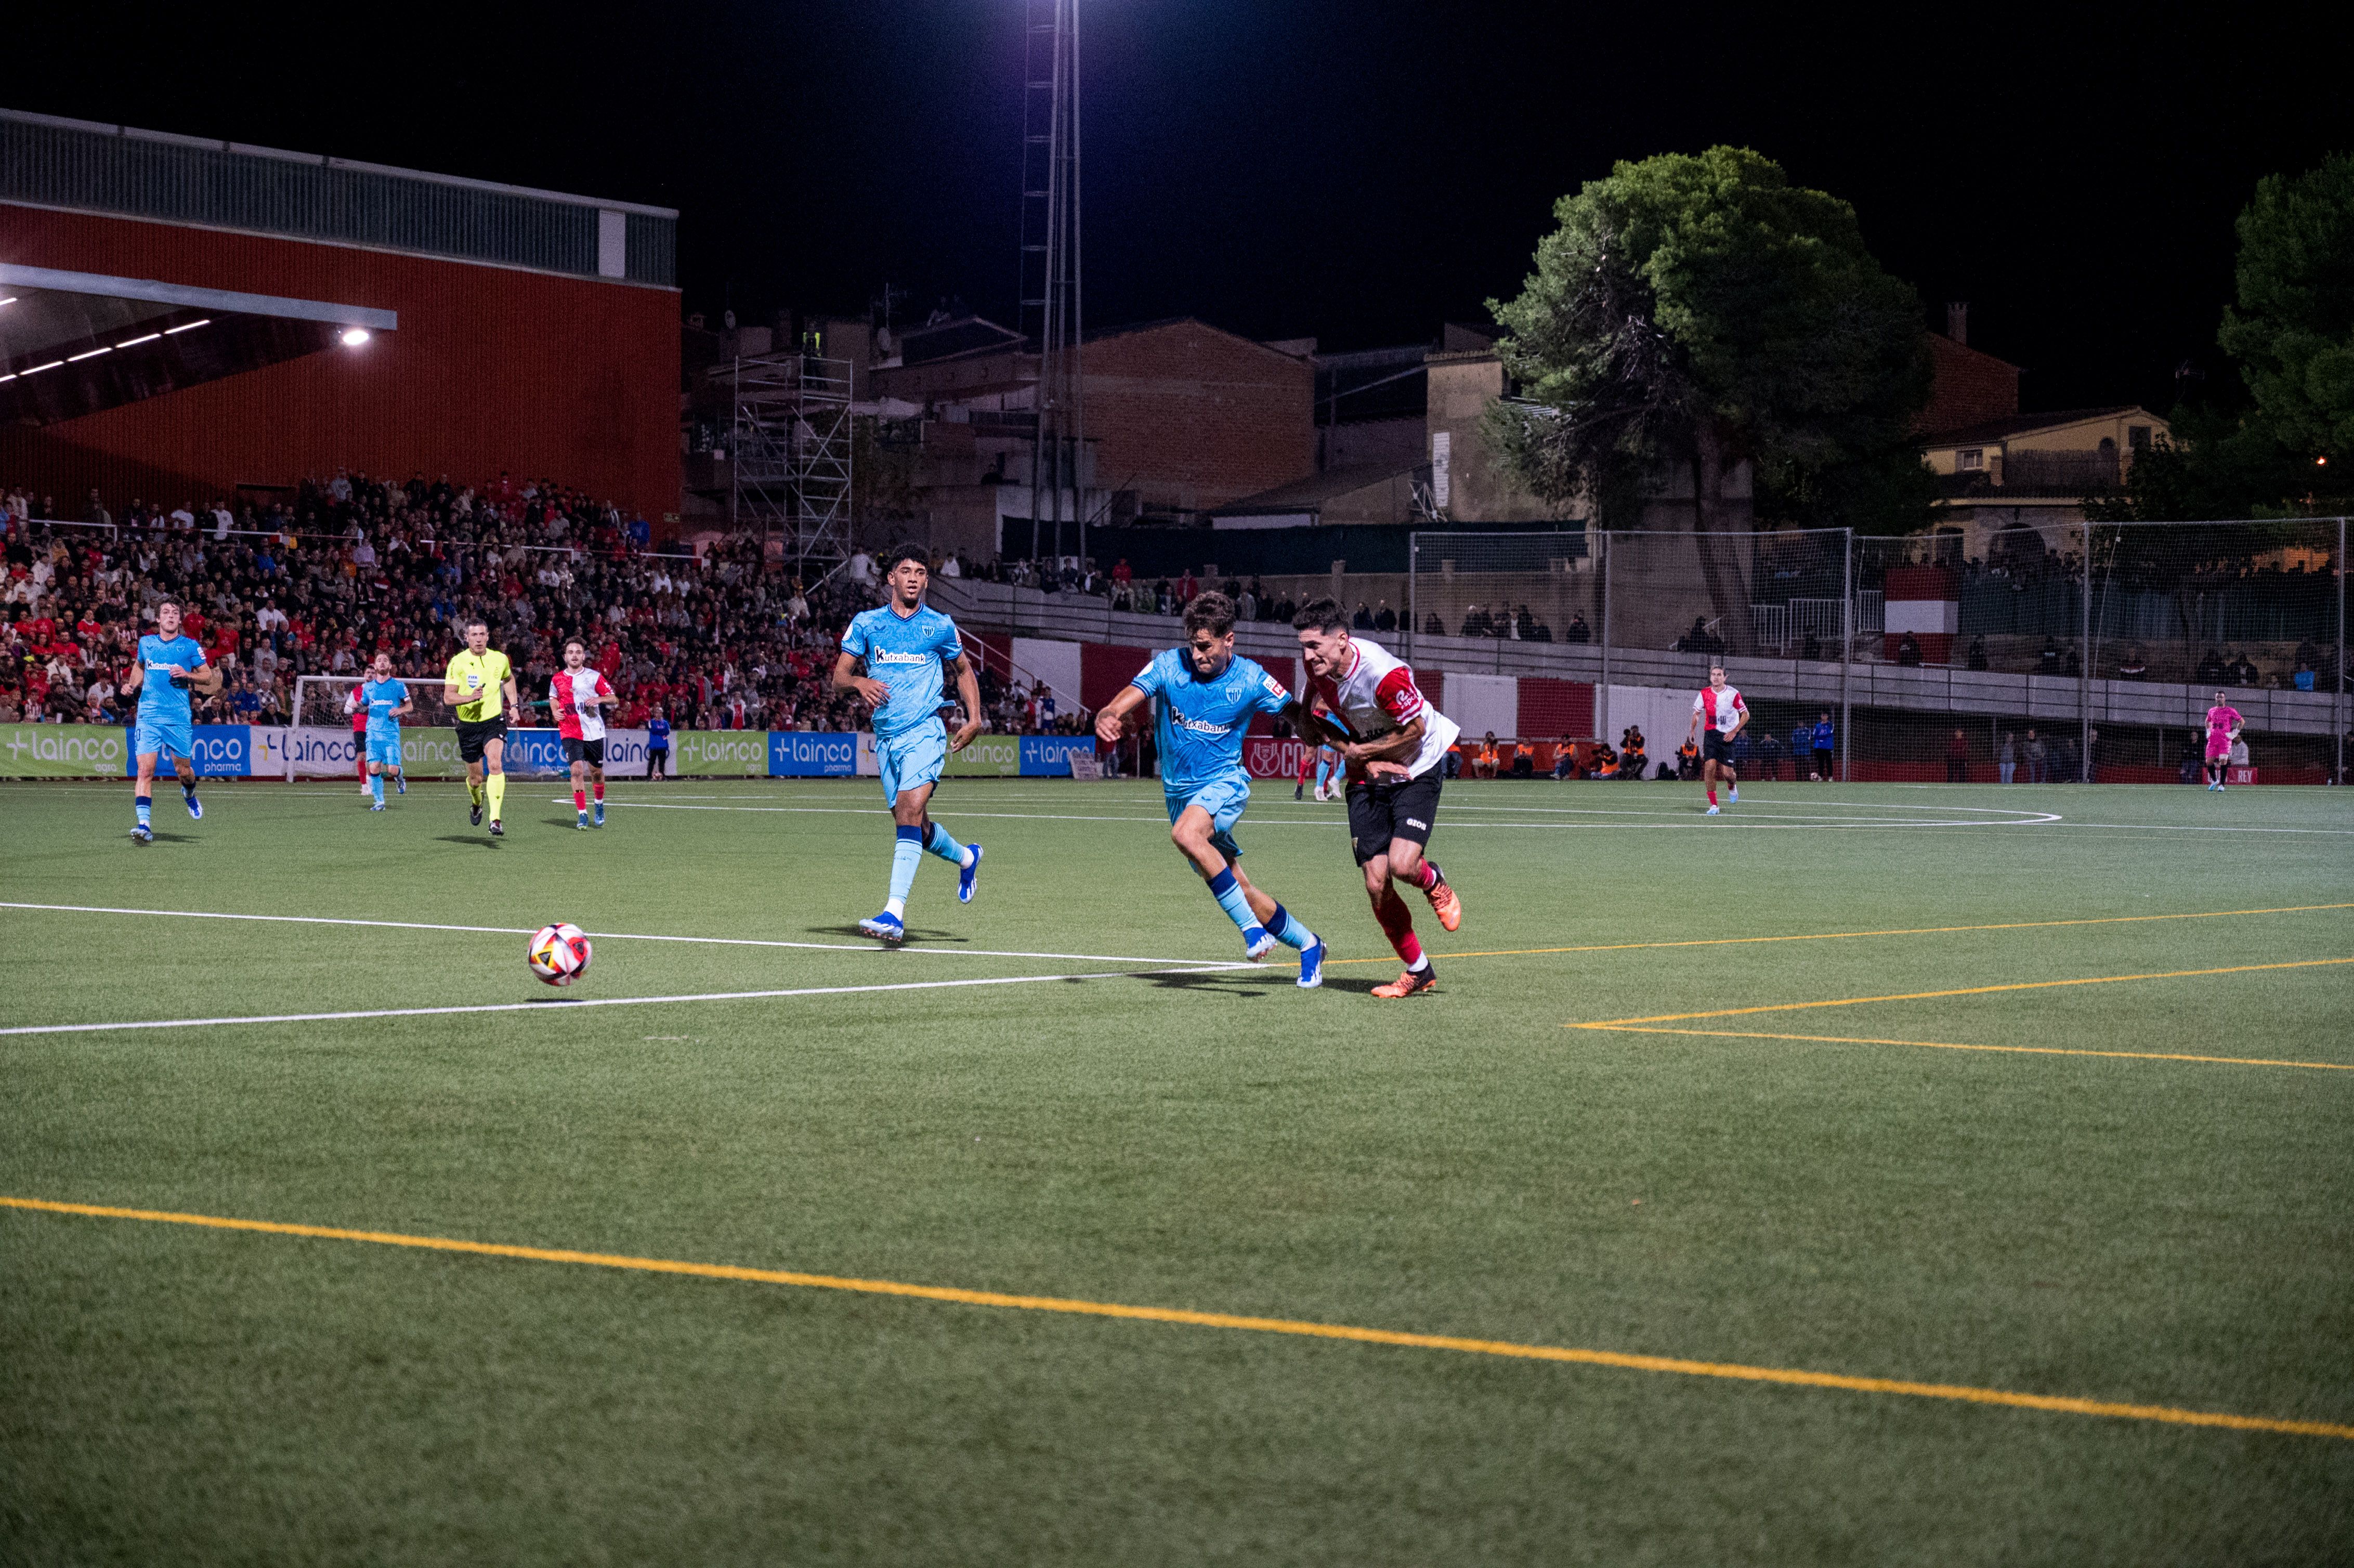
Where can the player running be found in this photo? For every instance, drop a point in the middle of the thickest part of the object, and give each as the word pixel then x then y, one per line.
pixel 1204 697
pixel 168 667
pixel 1718 714
pixel 384 700
pixel 479 687
pixel 903 643
pixel 578 696
pixel 1392 742
pixel 2223 726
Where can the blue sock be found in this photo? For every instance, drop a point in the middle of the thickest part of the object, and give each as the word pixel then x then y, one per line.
pixel 905 854
pixel 146 805
pixel 1229 894
pixel 376 787
pixel 1287 929
pixel 945 846
pixel 187 791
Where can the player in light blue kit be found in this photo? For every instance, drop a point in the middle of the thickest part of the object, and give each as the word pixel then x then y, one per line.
pixel 168 667
pixel 386 700
pixel 904 645
pixel 1203 698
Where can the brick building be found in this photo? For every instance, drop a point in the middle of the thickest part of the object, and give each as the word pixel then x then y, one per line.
pixel 1189 417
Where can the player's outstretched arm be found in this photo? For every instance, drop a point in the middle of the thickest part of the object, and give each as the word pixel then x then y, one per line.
pixel 1111 719
pixel 968 684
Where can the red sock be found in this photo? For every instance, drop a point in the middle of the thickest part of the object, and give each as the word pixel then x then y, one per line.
pixel 1427 877
pixel 580 800
pixel 1397 925
pixel 1712 794
pixel 601 789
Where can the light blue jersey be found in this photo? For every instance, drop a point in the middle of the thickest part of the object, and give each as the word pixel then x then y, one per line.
pixel 905 653
pixel 380 697
pixel 1199 725
pixel 162 704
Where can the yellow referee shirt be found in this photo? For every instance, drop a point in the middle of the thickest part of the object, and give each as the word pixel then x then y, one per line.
pixel 490 673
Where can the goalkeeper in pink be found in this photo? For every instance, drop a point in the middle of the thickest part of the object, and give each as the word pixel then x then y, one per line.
pixel 2224 724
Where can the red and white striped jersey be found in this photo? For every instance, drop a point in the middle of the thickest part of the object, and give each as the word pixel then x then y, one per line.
pixel 1377 696
pixel 1720 710
pixel 571 694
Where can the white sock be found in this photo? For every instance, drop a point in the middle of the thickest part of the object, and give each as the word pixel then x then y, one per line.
pixel 895 907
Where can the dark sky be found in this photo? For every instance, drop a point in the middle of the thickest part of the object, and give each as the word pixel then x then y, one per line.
pixel 1355 171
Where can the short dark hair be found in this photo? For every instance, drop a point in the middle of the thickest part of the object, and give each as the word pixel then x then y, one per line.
pixel 915 553
pixel 576 642
pixel 471 622
pixel 1213 612
pixel 1321 615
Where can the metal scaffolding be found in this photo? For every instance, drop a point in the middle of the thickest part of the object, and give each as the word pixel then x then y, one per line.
pixel 1050 271
pixel 792 455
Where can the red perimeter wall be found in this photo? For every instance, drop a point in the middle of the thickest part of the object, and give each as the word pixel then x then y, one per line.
pixel 493 368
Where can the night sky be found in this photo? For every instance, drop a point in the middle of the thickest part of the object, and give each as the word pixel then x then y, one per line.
pixel 1356 172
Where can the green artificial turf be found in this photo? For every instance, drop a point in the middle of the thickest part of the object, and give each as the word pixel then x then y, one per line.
pixel 2119 1228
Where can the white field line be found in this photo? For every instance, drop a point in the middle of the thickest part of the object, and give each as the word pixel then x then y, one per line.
pixel 1669 818
pixel 570 1004
pixel 628 936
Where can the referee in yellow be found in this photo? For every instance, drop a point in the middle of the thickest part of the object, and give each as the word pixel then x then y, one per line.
pixel 480 685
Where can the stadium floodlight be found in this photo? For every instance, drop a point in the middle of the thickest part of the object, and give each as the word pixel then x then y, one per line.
pixel 135 342
pixel 36 369
pixel 91 354
pixel 355 336
pixel 188 326
pixel 10 300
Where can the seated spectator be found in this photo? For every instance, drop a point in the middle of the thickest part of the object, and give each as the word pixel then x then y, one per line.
pixel 1631 757
pixel 2243 673
pixel 1977 658
pixel 2210 668
pixel 1475 622
pixel 1432 625
pixel 1565 759
pixel 1578 632
pixel 1908 651
pixel 1524 762
pixel 1452 765
pixel 1484 760
pixel 1384 618
pixel 2132 667
pixel 1688 760
pixel 2047 660
pixel 1524 625
pixel 2304 679
pixel 1812 648
pixel 1602 762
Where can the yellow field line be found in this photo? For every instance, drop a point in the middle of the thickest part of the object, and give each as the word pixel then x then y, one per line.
pixel 1846 936
pixel 1785 1375
pixel 1960 990
pixel 1950 1045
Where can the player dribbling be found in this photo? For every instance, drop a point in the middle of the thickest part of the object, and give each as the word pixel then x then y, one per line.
pixel 1718 715
pixel 1203 696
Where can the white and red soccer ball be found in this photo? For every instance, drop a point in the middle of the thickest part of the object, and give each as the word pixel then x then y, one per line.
pixel 558 954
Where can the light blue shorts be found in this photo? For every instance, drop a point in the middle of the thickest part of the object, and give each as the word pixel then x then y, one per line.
pixel 384 749
pixel 1224 799
pixel 912 759
pixel 163 736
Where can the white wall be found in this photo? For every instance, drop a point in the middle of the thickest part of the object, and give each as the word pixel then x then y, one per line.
pixel 1056 664
pixel 1479 703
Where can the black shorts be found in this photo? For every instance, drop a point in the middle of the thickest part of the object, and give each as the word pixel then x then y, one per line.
pixel 1715 748
pixel 590 751
pixel 1822 759
pixel 471 737
pixel 1406 808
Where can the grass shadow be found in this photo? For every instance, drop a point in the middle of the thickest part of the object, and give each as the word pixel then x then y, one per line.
pixel 919 937
pixel 485 841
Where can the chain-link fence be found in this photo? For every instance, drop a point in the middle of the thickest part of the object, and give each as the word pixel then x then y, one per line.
pixel 2029 651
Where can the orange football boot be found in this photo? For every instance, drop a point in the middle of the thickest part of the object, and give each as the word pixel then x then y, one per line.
pixel 1445 904
pixel 1409 984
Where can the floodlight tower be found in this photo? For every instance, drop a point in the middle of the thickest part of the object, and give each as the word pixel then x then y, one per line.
pixel 1049 296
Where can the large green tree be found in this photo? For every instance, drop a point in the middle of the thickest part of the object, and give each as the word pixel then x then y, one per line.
pixel 1697 311
pixel 2292 328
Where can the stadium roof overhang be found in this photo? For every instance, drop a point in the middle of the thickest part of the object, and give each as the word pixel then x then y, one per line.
pixel 75 343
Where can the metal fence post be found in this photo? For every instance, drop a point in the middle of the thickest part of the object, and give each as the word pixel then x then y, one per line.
pixel 1847 650
pixel 2085 676
pixel 1602 692
pixel 2337 696
pixel 1413 594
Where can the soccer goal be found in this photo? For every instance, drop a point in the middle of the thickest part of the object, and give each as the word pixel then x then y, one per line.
pixel 322 742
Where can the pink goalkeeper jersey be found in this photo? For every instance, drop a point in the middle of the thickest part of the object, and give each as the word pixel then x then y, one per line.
pixel 2221 722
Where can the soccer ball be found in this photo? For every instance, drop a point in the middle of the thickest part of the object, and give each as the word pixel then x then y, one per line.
pixel 558 953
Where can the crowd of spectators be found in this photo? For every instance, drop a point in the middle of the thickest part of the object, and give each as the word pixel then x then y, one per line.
pixel 321 580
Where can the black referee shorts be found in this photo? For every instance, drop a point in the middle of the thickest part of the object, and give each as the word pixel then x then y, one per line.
pixel 1401 809
pixel 471 737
